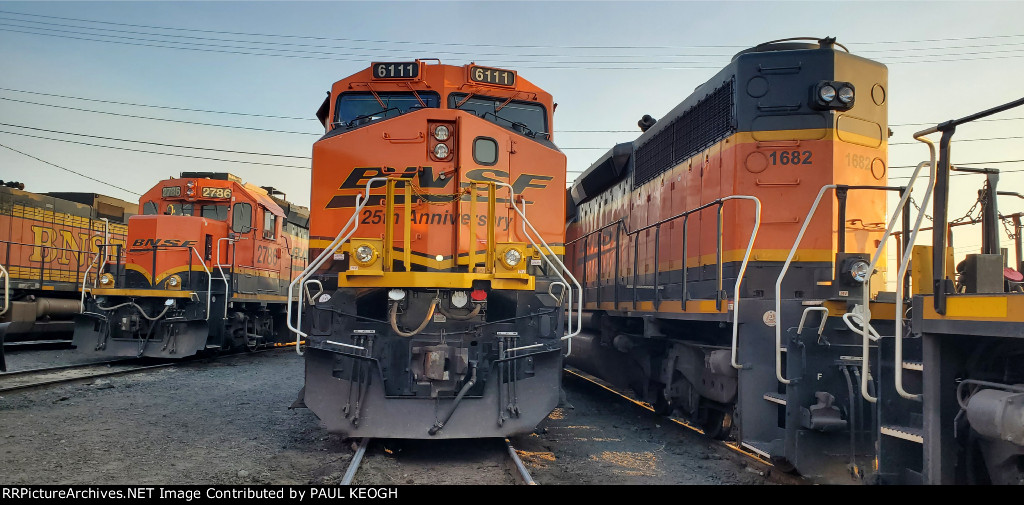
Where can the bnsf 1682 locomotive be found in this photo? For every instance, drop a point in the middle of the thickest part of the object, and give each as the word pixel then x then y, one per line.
pixel 206 266
pixel 436 304
pixel 705 274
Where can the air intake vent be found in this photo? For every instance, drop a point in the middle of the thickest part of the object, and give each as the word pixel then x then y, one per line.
pixel 704 124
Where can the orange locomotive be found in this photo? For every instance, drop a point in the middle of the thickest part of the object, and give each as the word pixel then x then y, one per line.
pixel 47 242
pixel 706 274
pixel 434 306
pixel 206 266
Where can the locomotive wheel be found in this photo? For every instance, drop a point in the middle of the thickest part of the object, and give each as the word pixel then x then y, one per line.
pixel 783 465
pixel 662 406
pixel 716 423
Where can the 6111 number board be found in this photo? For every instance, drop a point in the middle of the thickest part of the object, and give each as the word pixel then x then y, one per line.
pixel 396 70
pixel 492 76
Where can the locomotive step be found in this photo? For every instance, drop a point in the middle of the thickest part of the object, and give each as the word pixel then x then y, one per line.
pixel 779 398
pixel 904 432
pixel 913 365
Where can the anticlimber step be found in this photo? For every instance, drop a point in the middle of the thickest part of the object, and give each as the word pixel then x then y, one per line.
pixel 776 398
pixel 904 432
pixel 913 365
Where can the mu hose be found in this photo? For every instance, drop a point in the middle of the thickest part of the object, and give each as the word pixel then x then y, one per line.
pixel 426 320
pixel 456 317
pixel 462 392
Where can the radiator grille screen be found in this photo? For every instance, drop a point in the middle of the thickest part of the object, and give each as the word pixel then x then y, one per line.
pixel 706 123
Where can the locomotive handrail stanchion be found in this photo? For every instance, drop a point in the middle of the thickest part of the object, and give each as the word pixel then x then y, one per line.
pixel 406 229
pixel 389 225
pixel 223 276
pixel 311 268
pixel 209 280
pixel 719 294
pixel 7 290
pixel 741 273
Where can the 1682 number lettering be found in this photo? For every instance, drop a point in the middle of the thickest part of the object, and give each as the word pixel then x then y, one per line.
pixel 790 158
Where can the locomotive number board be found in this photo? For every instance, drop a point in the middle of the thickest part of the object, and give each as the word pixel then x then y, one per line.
pixel 396 70
pixel 495 76
pixel 171 191
pixel 216 192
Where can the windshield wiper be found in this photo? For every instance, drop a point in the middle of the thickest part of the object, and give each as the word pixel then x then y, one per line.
pixel 517 126
pixel 364 116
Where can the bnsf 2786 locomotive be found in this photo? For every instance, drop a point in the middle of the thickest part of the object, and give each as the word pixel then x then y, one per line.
pixel 436 304
pixel 206 266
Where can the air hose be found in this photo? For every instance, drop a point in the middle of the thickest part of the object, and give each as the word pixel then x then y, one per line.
pixel 426 320
pixel 462 392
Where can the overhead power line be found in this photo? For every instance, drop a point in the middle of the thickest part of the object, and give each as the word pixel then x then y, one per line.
pixel 156 143
pixel 65 107
pixel 153 152
pixel 69 170
pixel 156 106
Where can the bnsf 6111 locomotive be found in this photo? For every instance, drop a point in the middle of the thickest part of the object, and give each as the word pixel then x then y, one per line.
pixel 436 304
pixel 206 266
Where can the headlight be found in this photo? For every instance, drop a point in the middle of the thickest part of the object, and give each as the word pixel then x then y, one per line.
pixel 365 254
pixel 512 257
pixel 846 94
pixel 859 271
pixel 441 133
pixel 827 93
pixel 441 151
pixel 173 282
pixel 107 280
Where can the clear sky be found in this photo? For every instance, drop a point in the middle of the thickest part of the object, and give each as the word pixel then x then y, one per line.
pixel 606 63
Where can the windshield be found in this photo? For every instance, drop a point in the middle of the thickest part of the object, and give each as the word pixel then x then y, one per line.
pixel 358 108
pixel 526 118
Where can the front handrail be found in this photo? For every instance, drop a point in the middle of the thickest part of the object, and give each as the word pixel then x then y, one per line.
pixel 343 235
pixel 865 314
pixel 556 265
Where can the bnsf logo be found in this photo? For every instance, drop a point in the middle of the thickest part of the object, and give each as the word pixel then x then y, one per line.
pixel 360 176
pixel 165 242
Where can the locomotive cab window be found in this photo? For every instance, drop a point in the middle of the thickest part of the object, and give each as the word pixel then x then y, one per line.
pixel 241 218
pixel 485 150
pixel 218 212
pixel 358 108
pixel 149 209
pixel 525 118
pixel 179 209
pixel 269 224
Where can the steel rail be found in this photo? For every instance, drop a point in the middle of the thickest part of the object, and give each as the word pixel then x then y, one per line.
pixel 524 474
pixel 353 466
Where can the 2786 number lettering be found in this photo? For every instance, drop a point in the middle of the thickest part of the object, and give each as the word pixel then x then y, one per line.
pixel 790 157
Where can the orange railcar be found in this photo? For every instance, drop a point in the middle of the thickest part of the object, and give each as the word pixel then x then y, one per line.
pixel 205 266
pixel 435 190
pixel 47 243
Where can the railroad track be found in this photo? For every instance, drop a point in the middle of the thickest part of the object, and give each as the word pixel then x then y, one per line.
pixel 735 447
pixel 521 474
pixel 37 377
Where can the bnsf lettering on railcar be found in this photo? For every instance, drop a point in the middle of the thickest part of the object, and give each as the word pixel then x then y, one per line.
pixel 61 245
pixel 163 242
